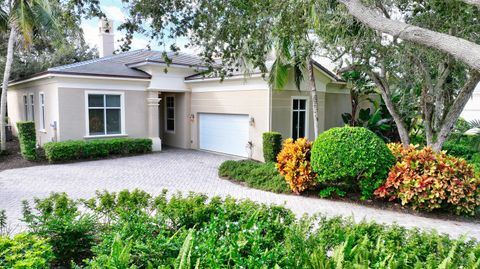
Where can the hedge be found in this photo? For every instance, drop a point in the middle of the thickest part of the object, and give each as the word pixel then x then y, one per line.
pixel 28 140
pixel 272 144
pixel 94 149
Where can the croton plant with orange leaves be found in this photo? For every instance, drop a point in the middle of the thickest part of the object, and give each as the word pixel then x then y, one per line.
pixel 293 162
pixel 427 180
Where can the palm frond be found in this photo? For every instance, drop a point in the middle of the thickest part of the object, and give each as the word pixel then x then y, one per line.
pixel 475 123
pixel 278 76
pixel 30 15
pixel 3 20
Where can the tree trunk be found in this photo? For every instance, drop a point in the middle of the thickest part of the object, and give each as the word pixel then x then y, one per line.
pixel 465 51
pixel 6 77
pixel 455 110
pixel 313 93
pixel 385 92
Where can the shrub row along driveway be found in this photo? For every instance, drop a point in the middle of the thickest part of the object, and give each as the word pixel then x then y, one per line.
pixel 183 170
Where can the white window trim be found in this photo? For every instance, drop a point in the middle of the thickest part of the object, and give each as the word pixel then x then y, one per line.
pixel 122 114
pixel 41 113
pixel 307 114
pixel 174 114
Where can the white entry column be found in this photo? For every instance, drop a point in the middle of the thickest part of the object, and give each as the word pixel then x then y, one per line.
pixel 153 103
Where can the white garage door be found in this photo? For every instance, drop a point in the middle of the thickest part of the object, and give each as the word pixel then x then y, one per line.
pixel 226 133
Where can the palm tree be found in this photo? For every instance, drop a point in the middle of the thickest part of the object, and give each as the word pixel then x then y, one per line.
pixel 20 19
pixel 290 57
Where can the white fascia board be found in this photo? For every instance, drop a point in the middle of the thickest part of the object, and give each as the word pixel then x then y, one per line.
pixel 78 76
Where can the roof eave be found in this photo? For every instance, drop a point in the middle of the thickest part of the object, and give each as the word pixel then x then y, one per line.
pixel 160 63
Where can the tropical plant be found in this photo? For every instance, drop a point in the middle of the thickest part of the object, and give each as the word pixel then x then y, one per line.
pixel 426 180
pixel 21 19
pixel 294 164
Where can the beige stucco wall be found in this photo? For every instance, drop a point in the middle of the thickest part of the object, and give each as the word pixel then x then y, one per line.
pixel 233 97
pixel 333 100
pixel 180 138
pixel 16 108
pixel 72 112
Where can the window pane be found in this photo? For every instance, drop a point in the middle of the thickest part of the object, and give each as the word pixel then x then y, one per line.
pixel 170 113
pixel 295 125
pixel 95 100
pixel 303 104
pixel 42 99
pixel 295 104
pixel 43 117
pixel 113 100
pixel 113 121
pixel 301 124
pixel 170 102
pixel 96 123
pixel 170 125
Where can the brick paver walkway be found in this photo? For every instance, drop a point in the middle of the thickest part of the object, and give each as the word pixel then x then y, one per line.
pixel 183 170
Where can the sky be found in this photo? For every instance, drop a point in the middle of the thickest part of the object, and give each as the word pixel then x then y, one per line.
pixel 115 11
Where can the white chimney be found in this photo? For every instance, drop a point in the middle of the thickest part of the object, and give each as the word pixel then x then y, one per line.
pixel 106 37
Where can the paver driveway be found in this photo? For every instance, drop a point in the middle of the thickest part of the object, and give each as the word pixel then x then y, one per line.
pixel 182 170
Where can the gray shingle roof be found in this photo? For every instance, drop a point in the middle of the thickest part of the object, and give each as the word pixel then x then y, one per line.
pixel 118 65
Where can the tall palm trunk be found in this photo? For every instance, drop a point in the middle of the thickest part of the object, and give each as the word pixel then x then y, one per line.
pixel 313 93
pixel 6 77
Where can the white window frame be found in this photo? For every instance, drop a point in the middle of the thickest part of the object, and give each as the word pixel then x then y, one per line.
pixel 41 105
pixel 31 100
pixel 307 112
pixel 174 114
pixel 122 114
pixel 25 106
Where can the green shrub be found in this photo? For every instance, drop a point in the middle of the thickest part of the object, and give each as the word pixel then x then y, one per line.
pixel 352 155
pixel 459 149
pixel 272 144
pixel 25 251
pixel 94 149
pixel 141 231
pixel 28 140
pixel 256 175
pixel 71 233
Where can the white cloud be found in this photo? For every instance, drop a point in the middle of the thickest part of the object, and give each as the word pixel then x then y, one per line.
pixel 114 13
pixel 90 33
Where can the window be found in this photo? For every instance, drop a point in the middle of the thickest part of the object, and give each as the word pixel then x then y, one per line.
pixel 299 118
pixel 170 113
pixel 104 114
pixel 42 111
pixel 25 107
pixel 32 107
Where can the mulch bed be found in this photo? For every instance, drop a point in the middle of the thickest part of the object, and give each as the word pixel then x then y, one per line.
pixel 12 158
pixel 354 198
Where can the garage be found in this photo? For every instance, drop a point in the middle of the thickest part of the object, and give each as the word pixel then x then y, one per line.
pixel 225 133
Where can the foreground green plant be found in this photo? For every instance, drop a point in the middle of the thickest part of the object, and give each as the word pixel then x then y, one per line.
pixel 25 251
pixel 137 230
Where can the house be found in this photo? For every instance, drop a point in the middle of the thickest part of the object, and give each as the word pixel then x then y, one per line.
pixel 137 94
pixel 472 108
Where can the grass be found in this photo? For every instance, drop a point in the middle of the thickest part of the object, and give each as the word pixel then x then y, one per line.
pixel 257 175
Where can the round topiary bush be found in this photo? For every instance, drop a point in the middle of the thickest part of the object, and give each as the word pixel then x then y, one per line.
pixel 352 155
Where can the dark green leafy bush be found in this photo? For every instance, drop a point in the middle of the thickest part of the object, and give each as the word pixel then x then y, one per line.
pixel 94 149
pixel 28 140
pixel 71 233
pixel 352 155
pixel 25 251
pixel 459 149
pixel 140 231
pixel 256 175
pixel 272 144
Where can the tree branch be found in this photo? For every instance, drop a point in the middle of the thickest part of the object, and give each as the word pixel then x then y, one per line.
pixel 461 49
pixel 472 2
pixel 456 109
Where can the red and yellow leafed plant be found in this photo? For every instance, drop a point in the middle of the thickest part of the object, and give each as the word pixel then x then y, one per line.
pixel 293 162
pixel 427 180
